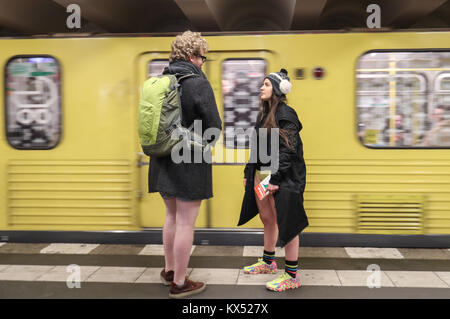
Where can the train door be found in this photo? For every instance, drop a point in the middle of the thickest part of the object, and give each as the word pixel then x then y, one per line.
pixel 235 78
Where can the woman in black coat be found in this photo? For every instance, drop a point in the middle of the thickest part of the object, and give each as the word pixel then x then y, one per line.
pixel 184 185
pixel 281 211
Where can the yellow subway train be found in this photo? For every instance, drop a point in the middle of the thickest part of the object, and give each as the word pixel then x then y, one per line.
pixel 375 109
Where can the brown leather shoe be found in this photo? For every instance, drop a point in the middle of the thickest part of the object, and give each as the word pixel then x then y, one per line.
pixel 189 288
pixel 166 277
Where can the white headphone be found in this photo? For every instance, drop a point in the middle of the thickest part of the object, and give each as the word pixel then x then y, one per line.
pixel 285 85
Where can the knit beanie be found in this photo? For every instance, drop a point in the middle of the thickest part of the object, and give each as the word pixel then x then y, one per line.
pixel 280 82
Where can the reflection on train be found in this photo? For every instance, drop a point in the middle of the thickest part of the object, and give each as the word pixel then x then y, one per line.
pixel 403 99
pixel 376 130
pixel 32 95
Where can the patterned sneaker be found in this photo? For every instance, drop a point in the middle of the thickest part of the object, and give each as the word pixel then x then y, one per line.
pixel 283 282
pixel 261 267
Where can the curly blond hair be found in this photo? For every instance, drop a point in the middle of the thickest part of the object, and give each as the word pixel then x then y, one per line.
pixel 187 44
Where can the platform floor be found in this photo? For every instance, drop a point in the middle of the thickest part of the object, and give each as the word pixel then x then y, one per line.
pixel 132 271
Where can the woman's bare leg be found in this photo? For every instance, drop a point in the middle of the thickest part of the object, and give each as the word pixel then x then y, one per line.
pixel 269 219
pixel 291 249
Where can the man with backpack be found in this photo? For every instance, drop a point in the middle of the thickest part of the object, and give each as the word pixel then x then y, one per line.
pixel 184 185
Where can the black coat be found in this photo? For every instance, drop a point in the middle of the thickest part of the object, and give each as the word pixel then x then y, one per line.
pixel 290 177
pixel 188 180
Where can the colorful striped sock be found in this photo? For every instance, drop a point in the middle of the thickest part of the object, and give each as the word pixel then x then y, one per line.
pixel 291 267
pixel 268 257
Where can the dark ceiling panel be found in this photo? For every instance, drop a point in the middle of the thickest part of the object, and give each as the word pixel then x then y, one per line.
pixel 199 14
pixel 238 15
pixel 28 17
pixel 33 17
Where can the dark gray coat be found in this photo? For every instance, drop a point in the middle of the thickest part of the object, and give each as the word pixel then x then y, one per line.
pixel 188 180
pixel 290 177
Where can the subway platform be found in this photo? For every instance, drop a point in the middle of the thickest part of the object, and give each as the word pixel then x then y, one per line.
pixel 99 271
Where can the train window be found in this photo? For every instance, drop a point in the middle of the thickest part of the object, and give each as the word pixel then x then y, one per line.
pixel 156 67
pixel 241 80
pixel 403 99
pixel 33 102
pixel 443 85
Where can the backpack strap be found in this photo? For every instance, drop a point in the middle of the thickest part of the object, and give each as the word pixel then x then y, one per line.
pixel 186 76
pixel 183 78
pixel 180 92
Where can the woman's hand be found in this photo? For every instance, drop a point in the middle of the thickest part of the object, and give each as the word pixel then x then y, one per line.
pixel 245 182
pixel 272 188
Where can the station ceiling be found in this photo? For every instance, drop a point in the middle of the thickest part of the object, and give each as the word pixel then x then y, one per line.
pixel 37 17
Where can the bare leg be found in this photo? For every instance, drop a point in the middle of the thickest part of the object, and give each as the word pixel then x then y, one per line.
pixel 186 215
pixel 291 249
pixel 268 216
pixel 169 233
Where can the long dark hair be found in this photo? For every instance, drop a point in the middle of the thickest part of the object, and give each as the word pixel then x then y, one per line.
pixel 268 110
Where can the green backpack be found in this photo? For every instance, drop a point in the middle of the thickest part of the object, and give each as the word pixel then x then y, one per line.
pixel 160 114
